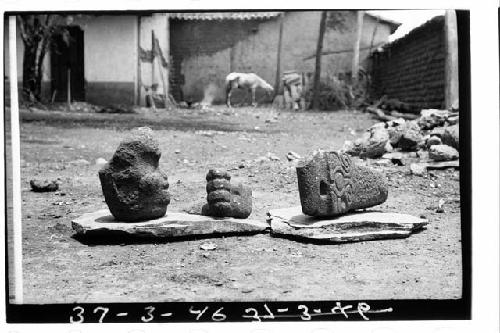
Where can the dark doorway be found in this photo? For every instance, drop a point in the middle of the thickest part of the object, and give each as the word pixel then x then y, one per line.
pixel 66 60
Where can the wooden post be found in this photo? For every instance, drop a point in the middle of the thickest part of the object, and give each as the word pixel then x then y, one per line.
pixel 317 70
pixel 68 88
pixel 357 41
pixel 16 166
pixel 152 60
pixel 139 79
pixel 167 58
pixel 451 60
pixel 278 60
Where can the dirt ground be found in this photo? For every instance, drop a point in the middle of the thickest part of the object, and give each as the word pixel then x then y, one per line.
pixel 60 269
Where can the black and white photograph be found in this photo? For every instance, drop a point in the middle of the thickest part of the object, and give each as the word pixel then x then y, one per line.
pixel 237 165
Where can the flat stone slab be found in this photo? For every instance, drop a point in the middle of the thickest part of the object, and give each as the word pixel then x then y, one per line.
pixel 173 224
pixel 355 227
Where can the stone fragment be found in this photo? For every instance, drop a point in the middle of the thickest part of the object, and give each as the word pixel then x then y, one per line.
pixel 373 143
pixel 395 130
pixel 433 140
pixel 100 162
pixel 437 131
pixel 291 155
pixel 44 185
pixel 450 136
pixel 80 161
pixel 418 169
pixel 431 118
pixel 331 184
pixel 452 120
pixel 442 153
pixel 411 137
pixel 395 158
pixel 134 187
pixel 172 225
pixel 225 199
pixel 443 165
pixel 364 226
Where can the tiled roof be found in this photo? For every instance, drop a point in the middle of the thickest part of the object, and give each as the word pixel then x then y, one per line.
pixel 392 24
pixel 224 15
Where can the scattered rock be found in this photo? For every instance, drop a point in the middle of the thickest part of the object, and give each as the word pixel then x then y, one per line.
pixel 395 157
pixel 292 156
pixel 431 118
pixel 418 169
pixel 331 184
pixel 272 157
pixel 443 165
pixel 437 131
pixel 225 199
pixel 44 185
pixel 410 137
pixel 442 153
pixel 134 187
pixel 100 162
pixel 450 136
pixel 80 161
pixel 208 246
pixel 433 140
pixel 373 144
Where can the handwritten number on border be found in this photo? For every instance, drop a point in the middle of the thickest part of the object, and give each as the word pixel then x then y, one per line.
pixel 79 315
pixel 198 312
pixel 150 317
pixel 255 314
pixel 104 311
pixel 218 316
pixel 305 312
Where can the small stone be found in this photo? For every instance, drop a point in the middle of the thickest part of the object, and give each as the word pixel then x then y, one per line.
pixel 177 151
pixel 44 185
pixel 431 118
pixel 100 162
pixel 80 161
pixel 418 169
pixel 272 157
pixel 208 246
pixel 451 136
pixel 331 184
pixel 134 187
pixel 433 140
pixel 292 156
pixel 443 153
pixel 410 137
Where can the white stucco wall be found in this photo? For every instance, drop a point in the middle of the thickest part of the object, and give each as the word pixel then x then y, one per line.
pixel 110 49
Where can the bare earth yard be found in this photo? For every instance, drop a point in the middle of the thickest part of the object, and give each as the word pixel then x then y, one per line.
pixel 61 269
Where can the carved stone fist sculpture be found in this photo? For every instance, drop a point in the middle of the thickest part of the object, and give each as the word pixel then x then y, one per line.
pixel 225 199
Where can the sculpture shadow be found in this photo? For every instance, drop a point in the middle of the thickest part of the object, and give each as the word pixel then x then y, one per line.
pixel 122 238
pixel 313 241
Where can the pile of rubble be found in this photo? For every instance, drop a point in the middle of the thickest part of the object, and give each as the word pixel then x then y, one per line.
pixel 433 139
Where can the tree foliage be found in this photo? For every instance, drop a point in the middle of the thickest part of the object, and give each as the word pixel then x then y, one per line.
pixel 37 33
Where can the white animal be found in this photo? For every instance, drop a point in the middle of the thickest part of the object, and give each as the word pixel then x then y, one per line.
pixel 250 81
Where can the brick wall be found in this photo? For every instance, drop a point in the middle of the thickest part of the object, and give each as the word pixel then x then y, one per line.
pixel 412 69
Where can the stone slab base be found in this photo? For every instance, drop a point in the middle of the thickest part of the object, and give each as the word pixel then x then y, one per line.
pixel 172 225
pixel 363 226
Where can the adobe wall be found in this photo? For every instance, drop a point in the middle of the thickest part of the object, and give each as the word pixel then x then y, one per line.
pixel 412 69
